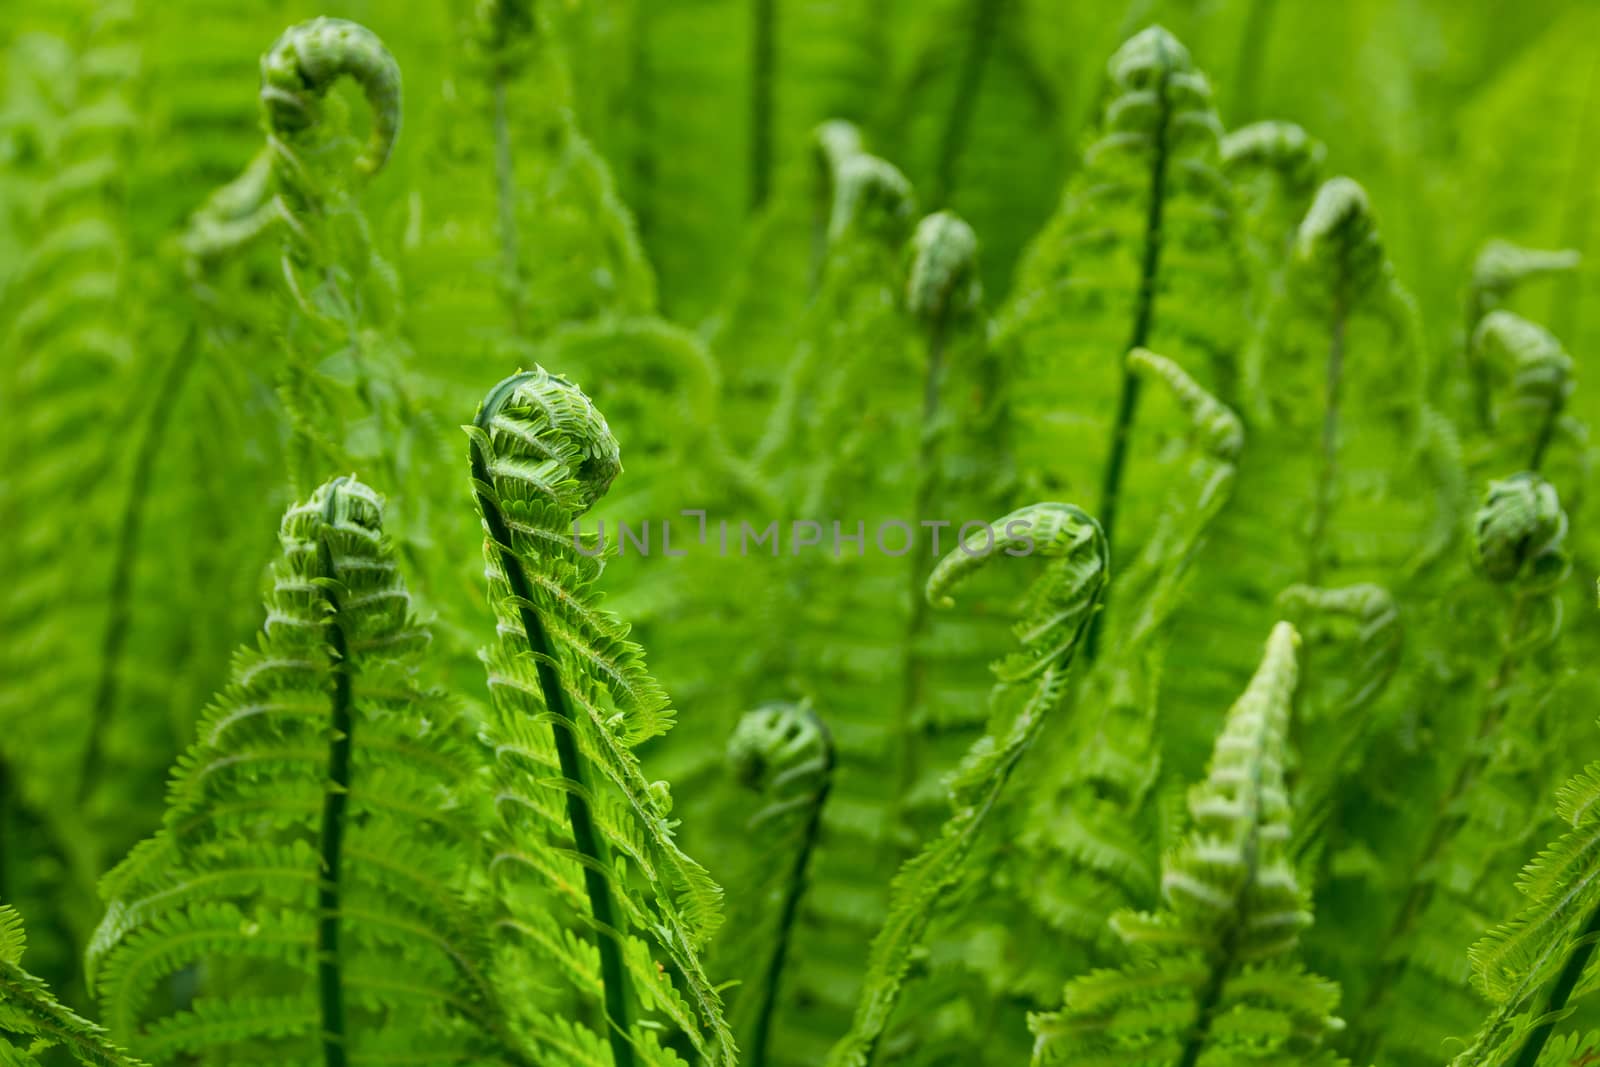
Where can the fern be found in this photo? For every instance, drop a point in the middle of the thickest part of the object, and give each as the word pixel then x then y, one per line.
pixel 572 698
pixel 1212 979
pixel 316 866
pixel 31 1013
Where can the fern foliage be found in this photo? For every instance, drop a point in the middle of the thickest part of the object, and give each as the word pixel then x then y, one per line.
pixel 1212 976
pixel 315 870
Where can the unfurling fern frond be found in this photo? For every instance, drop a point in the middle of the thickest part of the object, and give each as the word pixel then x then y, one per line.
pixel 585 839
pixel 317 869
pixel 1141 253
pixel 1481 799
pixel 1212 979
pixel 1032 684
pixel 784 753
pixel 1501 267
pixel 32 1016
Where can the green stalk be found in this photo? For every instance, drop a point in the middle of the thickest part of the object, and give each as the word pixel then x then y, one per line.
pixel 563 727
pixel 1329 472
pixel 985 28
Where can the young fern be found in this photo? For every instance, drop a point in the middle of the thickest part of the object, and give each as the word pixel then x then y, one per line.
pixel 1212 979
pixel 784 752
pixel 572 699
pixel 30 1013
pixel 1032 685
pixel 1529 415
pixel 320 862
pixel 1518 545
pixel 1141 254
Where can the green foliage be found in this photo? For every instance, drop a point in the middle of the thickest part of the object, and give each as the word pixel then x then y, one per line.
pixel 1306 346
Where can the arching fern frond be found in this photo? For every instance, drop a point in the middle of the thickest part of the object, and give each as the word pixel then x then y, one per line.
pixel 572 699
pixel 1527 418
pixel 1032 683
pixel 1212 978
pixel 317 866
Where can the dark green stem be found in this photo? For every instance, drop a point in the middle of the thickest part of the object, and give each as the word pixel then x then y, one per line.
pixel 119 611
pixel 761 1030
pixel 1143 318
pixel 985 28
pixel 563 727
pixel 763 68
pixel 330 985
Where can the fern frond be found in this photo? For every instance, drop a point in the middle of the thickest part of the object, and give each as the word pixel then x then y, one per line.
pixel 1060 607
pixel 572 698
pixel 321 837
pixel 1507 346
pixel 1212 977
pixel 29 1012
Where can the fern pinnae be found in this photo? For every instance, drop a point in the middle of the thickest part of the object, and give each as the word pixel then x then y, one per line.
pixel 30 1011
pixel 541 456
pixel 1541 379
pixel 1061 606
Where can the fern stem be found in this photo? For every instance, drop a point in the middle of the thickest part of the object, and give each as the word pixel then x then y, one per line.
pixel 119 607
pixel 985 27
pixel 763 67
pixel 1328 473
pixel 1252 49
pixel 506 178
pixel 335 801
pixel 563 727
pixel 1143 317
pixel 761 1029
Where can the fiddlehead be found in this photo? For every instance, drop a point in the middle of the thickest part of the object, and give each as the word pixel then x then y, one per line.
pixel 296 75
pixel 1059 608
pixel 572 698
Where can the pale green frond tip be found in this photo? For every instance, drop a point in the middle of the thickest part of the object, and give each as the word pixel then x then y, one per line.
pixel 1275 145
pixel 944 268
pixel 1519 533
pixel 1539 365
pixel 1340 226
pixel 305 62
pixel 1147 55
pixel 1502 265
pixel 871 196
pixel 835 141
pixel 544 418
pixel 1221 432
pixel 1050 530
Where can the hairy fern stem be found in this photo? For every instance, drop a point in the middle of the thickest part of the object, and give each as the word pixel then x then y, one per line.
pixel 335 802
pixel 563 726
